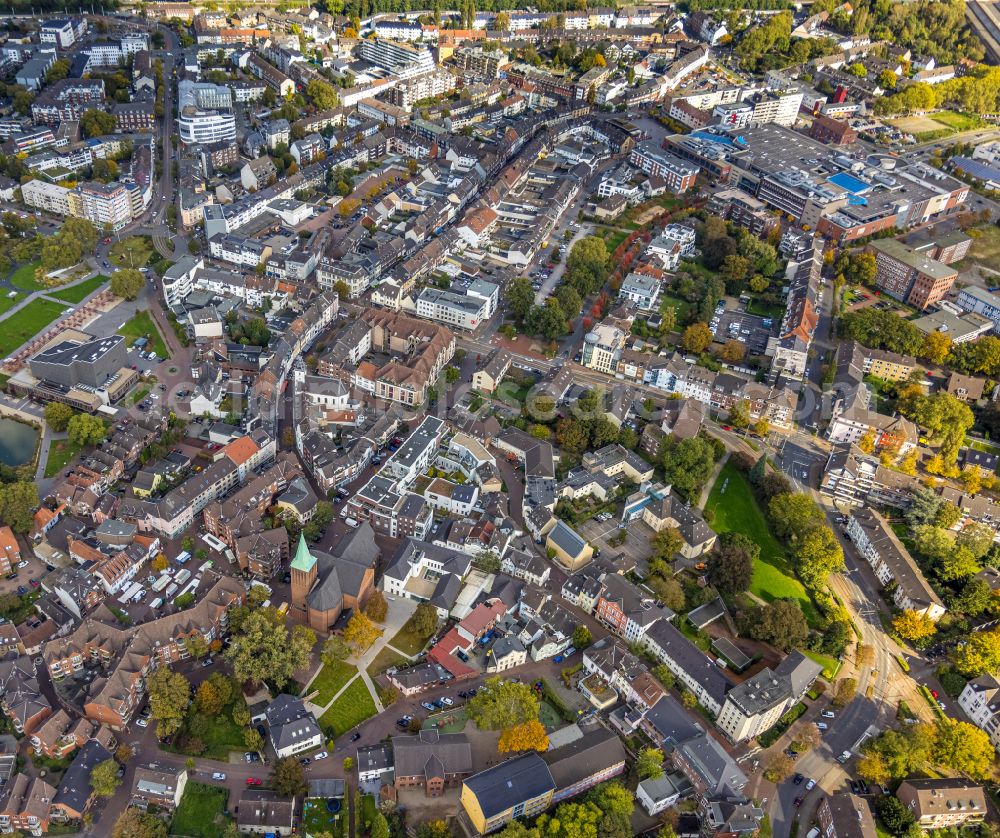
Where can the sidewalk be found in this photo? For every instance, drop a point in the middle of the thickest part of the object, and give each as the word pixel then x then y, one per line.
pixel 399 612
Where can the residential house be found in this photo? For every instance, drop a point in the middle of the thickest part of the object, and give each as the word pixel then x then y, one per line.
pixel 292 728
pixel 432 760
pixel 943 802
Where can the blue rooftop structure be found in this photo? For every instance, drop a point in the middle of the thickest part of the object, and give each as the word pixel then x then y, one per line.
pixel 849 182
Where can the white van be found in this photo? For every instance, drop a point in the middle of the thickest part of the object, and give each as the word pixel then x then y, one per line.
pixel 352 523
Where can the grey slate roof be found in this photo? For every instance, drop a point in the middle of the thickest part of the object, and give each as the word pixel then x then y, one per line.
pixel 511 782
pixel 74 790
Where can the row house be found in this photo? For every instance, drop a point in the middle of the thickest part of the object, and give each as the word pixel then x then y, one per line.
pixel 882 549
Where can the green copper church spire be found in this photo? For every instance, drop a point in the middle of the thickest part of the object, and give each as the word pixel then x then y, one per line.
pixel 304 560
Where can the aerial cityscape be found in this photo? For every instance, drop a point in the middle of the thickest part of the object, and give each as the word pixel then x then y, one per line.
pixel 538 421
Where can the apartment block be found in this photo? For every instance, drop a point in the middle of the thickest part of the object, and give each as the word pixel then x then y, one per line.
pixel 679 175
pixel 602 347
pixel 891 562
pixel 910 276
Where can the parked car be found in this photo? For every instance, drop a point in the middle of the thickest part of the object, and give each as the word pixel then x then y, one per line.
pixel 253 781
pixel 797 801
pixel 447 701
pixel 811 784
pixel 305 761
pixel 355 736
pixel 797 779
pixel 22 565
pixel 428 706
pixel 320 755
pixel 142 722
pixel 218 775
pixel 828 714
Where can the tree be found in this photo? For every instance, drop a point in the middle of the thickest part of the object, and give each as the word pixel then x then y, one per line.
pixel 762 427
pixel 263 648
pixel 780 623
pixel 872 767
pixel 730 566
pixel 581 637
pixel 424 620
pixel 733 351
pixel 348 763
pixel 379 827
pixel 288 778
pixel 687 464
pixel 501 22
pixel 818 554
pixel 84 429
pixel 134 823
pixel 57 415
pixel 793 514
pixel 127 283
pixel 124 753
pixel 377 607
pixel 360 632
pixel 666 544
pixel 867 442
pixel 777 766
pixel 169 693
pixel 104 779
pixel 160 563
pixel 963 747
pixel 527 736
pixel 18 502
pixel 845 691
pixel 452 374
pixel 322 94
pixel 936 347
pixel 95 123
pixel 253 740
pixel 649 764
pixel 696 338
pixel 196 646
pixel 914 626
pixel 433 829
pixel 208 699
pixel 980 655
pixel 499 705
pixel 896 818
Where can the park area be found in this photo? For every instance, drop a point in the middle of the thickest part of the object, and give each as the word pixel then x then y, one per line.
pixel 61 451
pixel 330 680
pixel 27 323
pixel 142 326
pixel 408 640
pixel 24 277
pixel 201 812
pixel 133 252
pixel 351 709
pixel 79 292
pixel 735 509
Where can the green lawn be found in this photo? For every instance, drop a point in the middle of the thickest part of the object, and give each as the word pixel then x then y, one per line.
pixel 133 252
pixel 384 660
pixel 7 303
pixel 27 323
pixel 681 307
pixel 549 716
pixel 351 709
pixel 316 818
pixel 830 665
pixel 200 811
pixel 762 309
pixel 61 451
pixel 24 278
pixel 77 293
pixel 408 641
pixel 736 510
pixel 511 393
pixel 330 680
pixel 958 121
pixel 367 810
pixel 142 326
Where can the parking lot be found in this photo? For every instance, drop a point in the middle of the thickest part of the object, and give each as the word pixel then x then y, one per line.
pixel 636 545
pixel 750 329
